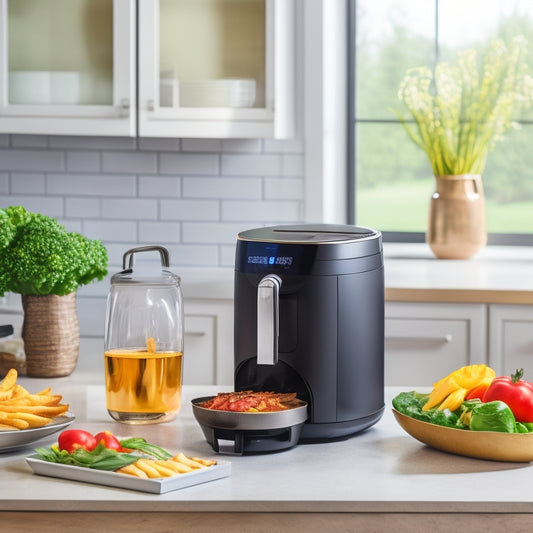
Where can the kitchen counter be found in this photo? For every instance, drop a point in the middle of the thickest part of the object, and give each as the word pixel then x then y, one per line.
pixel 497 274
pixel 381 478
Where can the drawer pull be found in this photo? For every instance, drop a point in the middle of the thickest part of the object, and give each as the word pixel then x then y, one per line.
pixel 196 333
pixel 441 340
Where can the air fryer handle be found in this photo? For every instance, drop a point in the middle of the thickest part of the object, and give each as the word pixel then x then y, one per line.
pixel 268 320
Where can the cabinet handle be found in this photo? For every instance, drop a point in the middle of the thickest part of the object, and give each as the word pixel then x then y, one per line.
pixel 445 338
pixel 124 107
pixel 195 333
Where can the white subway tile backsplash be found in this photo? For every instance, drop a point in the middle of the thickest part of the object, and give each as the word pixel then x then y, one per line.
pixel 251 165
pixel 32 160
pixel 192 196
pixel 284 188
pixel 283 146
pixel 159 186
pixel 47 205
pixel 92 185
pixel 93 143
pixel 83 161
pixel 227 255
pixel 222 187
pixel 192 255
pixel 129 208
pixel 190 210
pixel 159 232
pixel 188 163
pixel 22 183
pixel 128 162
pixel 292 165
pixel 111 230
pixel 159 145
pixel 282 211
pixel 242 145
pixel 213 233
pixel 83 208
pixel 201 145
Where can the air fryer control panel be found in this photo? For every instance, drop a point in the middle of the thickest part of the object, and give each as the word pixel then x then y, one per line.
pixel 258 257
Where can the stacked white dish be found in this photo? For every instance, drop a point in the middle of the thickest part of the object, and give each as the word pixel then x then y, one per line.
pixel 226 92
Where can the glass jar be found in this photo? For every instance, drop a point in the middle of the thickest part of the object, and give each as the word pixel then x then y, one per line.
pixel 144 342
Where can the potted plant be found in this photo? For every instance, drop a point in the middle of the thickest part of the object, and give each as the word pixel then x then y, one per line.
pixel 45 264
pixel 460 112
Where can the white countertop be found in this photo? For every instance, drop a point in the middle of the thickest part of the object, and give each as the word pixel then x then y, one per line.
pixel 380 470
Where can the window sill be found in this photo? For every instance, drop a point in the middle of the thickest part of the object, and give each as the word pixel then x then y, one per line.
pixel 498 274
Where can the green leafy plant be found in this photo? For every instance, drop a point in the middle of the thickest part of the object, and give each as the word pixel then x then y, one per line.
pixel 39 257
pixel 462 110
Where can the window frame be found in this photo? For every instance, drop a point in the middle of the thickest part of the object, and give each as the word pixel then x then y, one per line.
pixel 497 239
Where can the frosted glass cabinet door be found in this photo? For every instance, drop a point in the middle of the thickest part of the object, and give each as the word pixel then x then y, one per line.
pixel 216 68
pixel 67 67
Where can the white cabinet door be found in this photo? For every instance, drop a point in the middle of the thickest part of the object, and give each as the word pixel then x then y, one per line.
pixel 511 339
pixel 216 68
pixel 208 350
pixel 68 67
pixel 426 341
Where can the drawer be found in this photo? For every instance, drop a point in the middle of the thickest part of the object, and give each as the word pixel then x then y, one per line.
pixel 425 342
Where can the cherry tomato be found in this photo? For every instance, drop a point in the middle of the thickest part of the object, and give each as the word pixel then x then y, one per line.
pixel 109 440
pixel 73 439
pixel 515 392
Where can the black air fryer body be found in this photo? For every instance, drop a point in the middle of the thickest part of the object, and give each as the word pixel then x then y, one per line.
pixel 325 284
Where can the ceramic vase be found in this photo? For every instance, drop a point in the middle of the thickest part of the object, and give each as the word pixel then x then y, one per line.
pixel 457 226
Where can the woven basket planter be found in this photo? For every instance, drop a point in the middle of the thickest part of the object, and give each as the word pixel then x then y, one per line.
pixel 51 334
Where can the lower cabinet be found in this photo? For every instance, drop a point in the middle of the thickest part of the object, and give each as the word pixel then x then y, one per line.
pixel 208 343
pixel 511 339
pixel 426 341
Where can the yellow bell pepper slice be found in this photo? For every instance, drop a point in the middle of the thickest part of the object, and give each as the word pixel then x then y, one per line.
pixel 450 391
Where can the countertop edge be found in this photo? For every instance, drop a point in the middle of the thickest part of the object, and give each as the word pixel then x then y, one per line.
pixel 232 506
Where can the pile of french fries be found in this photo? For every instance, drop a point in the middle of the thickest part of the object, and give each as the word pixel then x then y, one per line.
pixel 153 468
pixel 19 409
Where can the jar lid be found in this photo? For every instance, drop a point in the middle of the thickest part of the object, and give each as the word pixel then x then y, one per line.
pixel 147 275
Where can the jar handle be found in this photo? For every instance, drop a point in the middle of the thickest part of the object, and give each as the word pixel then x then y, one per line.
pixel 163 252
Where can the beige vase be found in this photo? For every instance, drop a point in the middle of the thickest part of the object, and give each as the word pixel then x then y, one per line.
pixel 51 334
pixel 457 226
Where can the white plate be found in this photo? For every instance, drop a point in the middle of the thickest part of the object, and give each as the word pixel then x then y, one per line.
pixel 11 440
pixel 124 481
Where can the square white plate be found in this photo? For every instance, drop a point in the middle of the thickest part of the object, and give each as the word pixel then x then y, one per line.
pixel 125 481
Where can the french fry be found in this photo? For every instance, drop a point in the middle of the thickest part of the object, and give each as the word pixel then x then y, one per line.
pixel 182 458
pixel 19 409
pixel 12 422
pixel 178 467
pixel 205 462
pixel 147 468
pixel 9 380
pixel 132 470
pixel 152 468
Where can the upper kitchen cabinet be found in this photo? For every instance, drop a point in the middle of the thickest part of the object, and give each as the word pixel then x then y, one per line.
pixel 216 68
pixel 68 67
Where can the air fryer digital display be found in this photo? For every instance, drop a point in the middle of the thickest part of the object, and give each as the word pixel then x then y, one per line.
pixel 260 256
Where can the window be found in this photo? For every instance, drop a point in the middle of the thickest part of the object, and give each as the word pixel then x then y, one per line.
pixel 392 179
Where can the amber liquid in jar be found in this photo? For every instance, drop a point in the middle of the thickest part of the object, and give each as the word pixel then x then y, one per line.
pixel 142 387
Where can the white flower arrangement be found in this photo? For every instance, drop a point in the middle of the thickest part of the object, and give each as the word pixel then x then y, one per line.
pixel 460 112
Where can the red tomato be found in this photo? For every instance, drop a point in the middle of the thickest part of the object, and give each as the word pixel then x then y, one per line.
pixel 515 392
pixel 72 439
pixel 109 440
pixel 477 392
